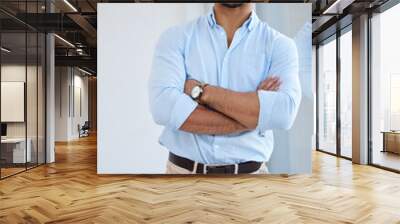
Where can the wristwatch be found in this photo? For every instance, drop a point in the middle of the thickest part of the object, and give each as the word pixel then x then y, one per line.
pixel 197 91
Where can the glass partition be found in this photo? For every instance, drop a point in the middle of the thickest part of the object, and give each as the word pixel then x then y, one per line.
pixel 22 77
pixel 14 153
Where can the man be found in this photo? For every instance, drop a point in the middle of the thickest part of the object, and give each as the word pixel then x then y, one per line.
pixel 220 85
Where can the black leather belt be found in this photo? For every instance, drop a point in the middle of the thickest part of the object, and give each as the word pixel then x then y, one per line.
pixel 246 167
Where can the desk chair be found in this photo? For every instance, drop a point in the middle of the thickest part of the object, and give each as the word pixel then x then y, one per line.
pixel 84 130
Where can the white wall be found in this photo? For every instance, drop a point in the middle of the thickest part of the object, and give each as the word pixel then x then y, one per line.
pixel 80 112
pixel 67 81
pixel 61 104
pixel 127 135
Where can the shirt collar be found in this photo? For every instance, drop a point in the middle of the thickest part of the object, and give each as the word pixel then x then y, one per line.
pixel 250 23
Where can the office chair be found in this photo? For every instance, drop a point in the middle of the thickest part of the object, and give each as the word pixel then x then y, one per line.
pixel 84 130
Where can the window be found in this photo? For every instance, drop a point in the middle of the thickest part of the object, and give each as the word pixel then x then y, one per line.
pixel 385 89
pixel 327 97
pixel 346 75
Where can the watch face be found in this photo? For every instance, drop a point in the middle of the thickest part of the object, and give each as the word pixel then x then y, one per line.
pixel 196 92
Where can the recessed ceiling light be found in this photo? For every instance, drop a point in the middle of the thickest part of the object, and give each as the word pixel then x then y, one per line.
pixel 337 7
pixel 70 5
pixel 65 41
pixel 84 71
pixel 5 50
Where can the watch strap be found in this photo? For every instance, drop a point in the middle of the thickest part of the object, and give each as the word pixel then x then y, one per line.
pixel 203 85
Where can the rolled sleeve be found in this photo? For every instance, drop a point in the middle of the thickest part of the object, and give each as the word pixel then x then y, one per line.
pixel 182 109
pixel 169 105
pixel 278 109
pixel 267 100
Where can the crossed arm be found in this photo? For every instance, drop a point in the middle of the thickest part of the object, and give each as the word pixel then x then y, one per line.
pixel 222 111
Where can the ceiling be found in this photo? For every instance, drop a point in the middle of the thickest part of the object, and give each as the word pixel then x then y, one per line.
pixel 76 22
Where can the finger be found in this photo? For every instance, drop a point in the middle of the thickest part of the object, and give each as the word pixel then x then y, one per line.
pixel 266 84
pixel 273 86
pixel 262 85
pixel 277 86
pixel 272 78
pixel 191 81
pixel 269 84
pixel 276 82
pixel 188 86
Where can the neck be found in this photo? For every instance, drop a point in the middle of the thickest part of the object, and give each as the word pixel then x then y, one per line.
pixel 232 18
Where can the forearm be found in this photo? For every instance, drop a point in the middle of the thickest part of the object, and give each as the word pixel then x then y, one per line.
pixel 205 121
pixel 243 107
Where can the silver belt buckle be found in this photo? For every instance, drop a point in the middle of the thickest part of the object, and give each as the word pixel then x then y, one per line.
pixel 204 168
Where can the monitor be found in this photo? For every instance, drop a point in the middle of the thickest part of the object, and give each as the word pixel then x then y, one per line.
pixel 3 129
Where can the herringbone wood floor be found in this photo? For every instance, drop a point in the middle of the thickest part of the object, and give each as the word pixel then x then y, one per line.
pixel 70 191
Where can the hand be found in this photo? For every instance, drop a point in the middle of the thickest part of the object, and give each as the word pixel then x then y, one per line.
pixel 270 84
pixel 189 84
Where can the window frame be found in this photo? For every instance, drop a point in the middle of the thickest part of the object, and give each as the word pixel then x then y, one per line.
pixel 381 9
pixel 334 37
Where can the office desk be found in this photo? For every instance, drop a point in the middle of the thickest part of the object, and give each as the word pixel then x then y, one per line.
pixel 391 141
pixel 13 150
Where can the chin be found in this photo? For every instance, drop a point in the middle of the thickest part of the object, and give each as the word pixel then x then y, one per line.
pixel 232 5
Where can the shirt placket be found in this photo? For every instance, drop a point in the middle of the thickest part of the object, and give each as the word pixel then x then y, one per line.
pixel 223 78
pixel 237 37
pixel 223 51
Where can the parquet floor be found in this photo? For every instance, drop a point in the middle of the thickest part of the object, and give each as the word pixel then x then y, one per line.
pixel 70 191
pixel 10 171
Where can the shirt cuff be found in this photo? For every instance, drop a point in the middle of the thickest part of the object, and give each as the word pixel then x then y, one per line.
pixel 267 101
pixel 182 109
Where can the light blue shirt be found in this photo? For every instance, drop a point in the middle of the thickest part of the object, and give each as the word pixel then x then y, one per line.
pixel 199 50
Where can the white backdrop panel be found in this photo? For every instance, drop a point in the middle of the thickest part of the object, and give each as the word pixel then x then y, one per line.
pixel 127 135
pixel 127 35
